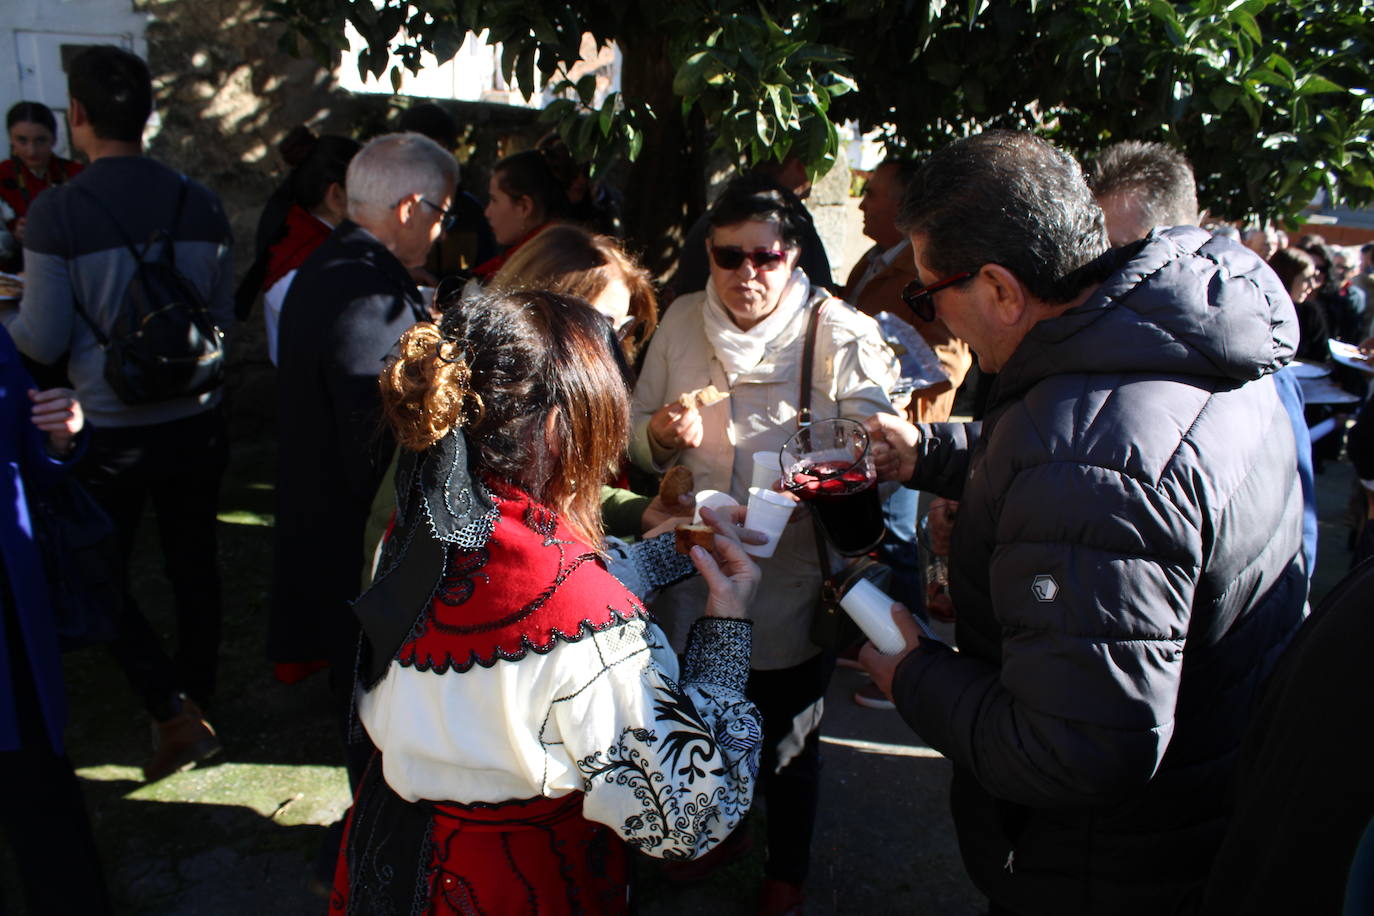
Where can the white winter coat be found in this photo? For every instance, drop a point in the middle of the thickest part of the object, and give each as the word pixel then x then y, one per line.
pixel 854 371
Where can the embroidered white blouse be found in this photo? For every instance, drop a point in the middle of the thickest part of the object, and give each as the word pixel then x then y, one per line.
pixel 667 763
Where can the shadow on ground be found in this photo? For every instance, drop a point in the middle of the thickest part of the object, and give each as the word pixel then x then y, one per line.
pixel 239 836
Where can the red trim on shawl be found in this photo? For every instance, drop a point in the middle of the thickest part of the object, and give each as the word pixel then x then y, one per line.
pixel 488 268
pixel 532 585
pixel 304 233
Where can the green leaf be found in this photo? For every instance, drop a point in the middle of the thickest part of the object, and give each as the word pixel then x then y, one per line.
pixel 1312 84
pixel 524 71
pixel 1280 64
pixel 1224 96
pixel 586 88
pixel 691 73
pixel 396 79
pixel 607 115
pixel 557 110
pixel 1248 25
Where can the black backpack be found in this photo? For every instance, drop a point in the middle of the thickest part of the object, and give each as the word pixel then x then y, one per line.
pixel 164 343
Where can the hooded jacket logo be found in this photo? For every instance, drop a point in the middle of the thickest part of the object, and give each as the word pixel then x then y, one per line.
pixel 1044 588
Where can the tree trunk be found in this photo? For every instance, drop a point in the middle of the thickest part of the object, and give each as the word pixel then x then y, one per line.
pixel 665 190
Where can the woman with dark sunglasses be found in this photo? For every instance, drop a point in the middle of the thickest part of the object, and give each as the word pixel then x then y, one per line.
pixel 745 334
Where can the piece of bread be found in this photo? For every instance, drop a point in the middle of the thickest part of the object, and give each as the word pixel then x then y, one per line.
pixel 703 397
pixel 677 483
pixel 688 536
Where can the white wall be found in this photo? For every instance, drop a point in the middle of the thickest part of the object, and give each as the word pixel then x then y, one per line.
pixel 474 74
pixel 33 34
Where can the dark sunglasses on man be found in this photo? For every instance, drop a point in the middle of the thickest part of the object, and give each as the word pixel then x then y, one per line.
pixel 730 257
pixel 921 299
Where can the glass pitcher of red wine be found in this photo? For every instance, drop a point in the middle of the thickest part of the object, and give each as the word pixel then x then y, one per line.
pixel 829 467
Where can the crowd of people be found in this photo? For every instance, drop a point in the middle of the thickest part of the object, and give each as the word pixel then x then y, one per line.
pixel 540 669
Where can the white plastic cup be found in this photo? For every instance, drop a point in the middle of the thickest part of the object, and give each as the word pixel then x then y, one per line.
pixel 768 513
pixel 872 611
pixel 715 500
pixel 767 470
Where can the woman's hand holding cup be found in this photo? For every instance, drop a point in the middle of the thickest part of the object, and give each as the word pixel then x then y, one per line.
pixel 731 576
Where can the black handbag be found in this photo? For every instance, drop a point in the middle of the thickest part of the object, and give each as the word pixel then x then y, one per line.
pixel 81 562
pixel 831 627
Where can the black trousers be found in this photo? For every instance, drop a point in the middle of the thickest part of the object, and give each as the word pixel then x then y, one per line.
pixel 791 793
pixel 42 812
pixel 178 467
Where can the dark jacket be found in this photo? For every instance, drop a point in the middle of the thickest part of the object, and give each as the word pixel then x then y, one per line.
pixel 1304 796
pixel 349 304
pixel 25 613
pixel 1126 567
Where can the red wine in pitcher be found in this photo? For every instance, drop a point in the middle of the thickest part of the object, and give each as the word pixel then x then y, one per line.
pixel 845 500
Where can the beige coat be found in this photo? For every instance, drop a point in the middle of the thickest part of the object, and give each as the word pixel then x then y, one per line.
pixel 854 372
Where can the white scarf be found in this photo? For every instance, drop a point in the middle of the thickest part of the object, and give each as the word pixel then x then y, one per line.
pixel 739 351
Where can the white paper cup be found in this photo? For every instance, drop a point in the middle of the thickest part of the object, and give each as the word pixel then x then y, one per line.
pixel 768 513
pixel 766 470
pixel 872 611
pixel 715 500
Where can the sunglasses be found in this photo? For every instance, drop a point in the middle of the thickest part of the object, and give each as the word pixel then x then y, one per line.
pixel 921 299
pixel 449 216
pixel 728 257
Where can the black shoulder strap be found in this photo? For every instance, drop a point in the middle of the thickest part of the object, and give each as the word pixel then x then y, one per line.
pixel 808 359
pixel 804 419
pixel 102 338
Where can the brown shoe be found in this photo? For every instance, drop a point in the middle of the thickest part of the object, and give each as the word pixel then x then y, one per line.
pixel 180 743
pixel 780 898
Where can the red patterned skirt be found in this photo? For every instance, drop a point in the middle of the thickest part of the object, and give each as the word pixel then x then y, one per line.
pixel 522 857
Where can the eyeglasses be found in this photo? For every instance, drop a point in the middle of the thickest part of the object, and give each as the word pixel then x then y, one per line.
pixel 921 299
pixel 730 257
pixel 449 215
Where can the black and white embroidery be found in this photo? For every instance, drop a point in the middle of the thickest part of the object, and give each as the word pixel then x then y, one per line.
pixel 690 771
pixel 718 653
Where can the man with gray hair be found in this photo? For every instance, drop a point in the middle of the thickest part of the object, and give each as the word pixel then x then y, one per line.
pixel 349 304
pixel 1126 563
pixel 1140 185
pixel 1262 240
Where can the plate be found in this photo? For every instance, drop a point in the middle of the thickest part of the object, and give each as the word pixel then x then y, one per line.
pixel 920 367
pixel 1349 355
pixel 1303 369
pixel 1324 391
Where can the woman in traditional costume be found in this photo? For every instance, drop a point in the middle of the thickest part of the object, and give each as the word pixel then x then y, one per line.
pixel 532 724
pixel 32 167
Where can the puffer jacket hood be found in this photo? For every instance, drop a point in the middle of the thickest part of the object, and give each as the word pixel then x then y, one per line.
pixel 1182 302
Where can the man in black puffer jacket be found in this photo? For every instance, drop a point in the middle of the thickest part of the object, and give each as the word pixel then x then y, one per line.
pixel 1126 564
